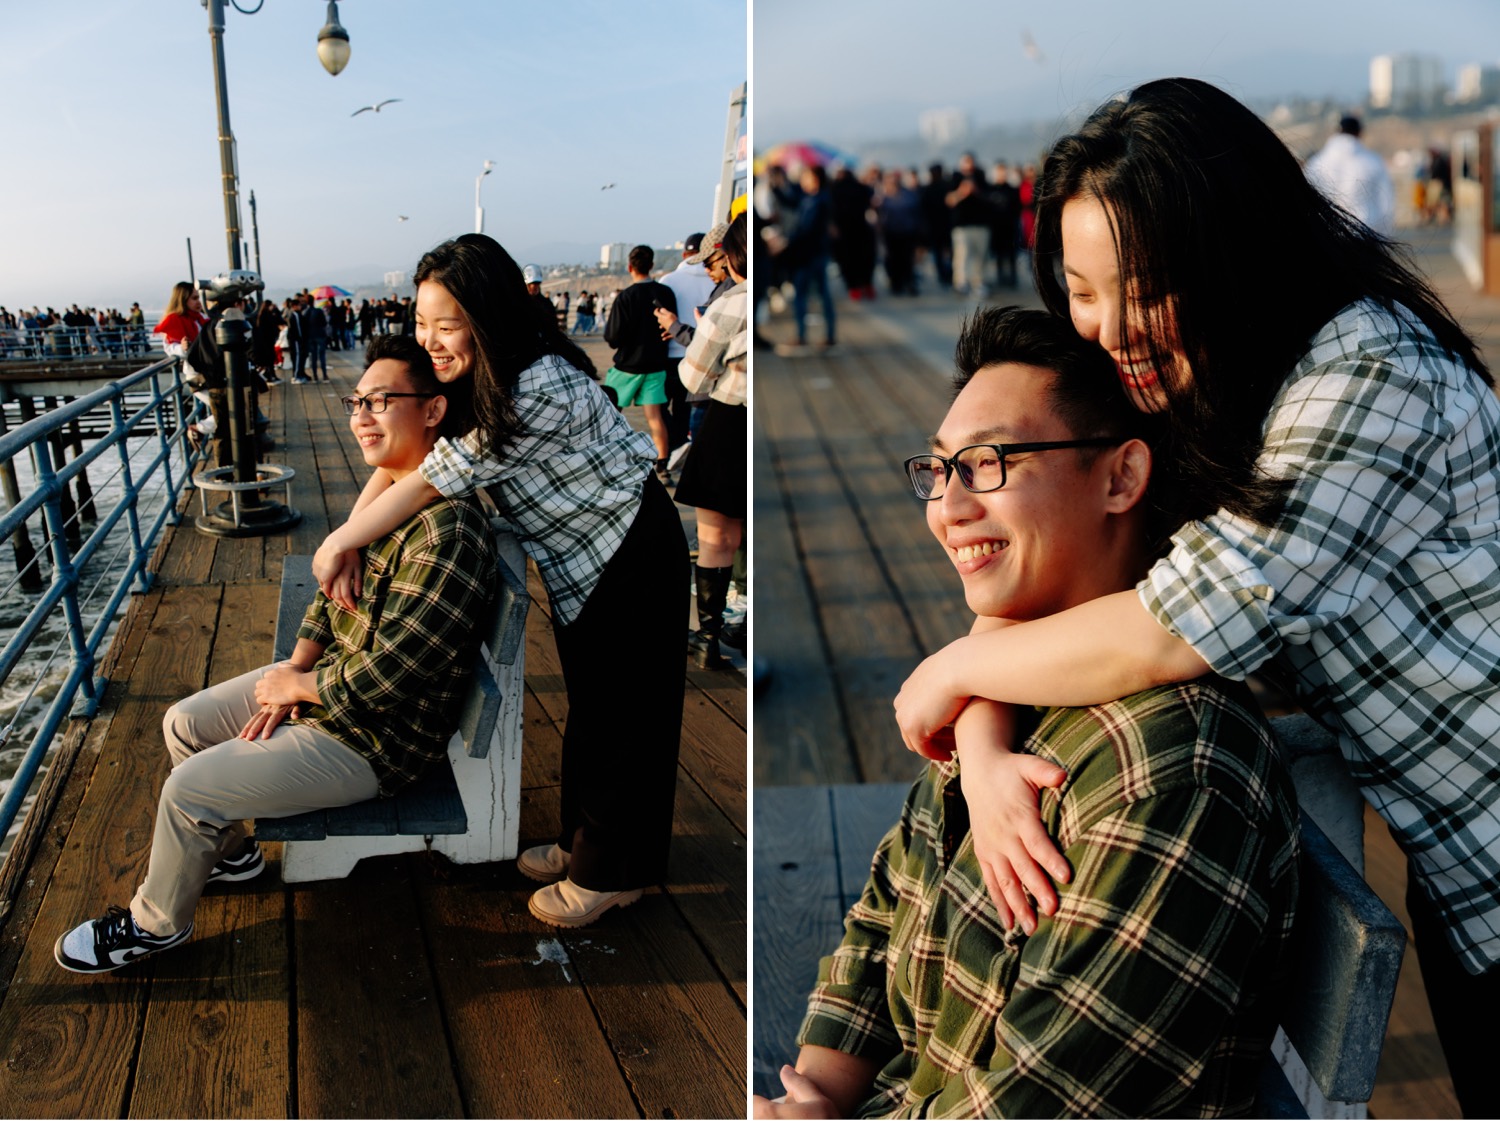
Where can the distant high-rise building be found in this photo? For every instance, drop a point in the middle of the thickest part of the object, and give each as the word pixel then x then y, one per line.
pixel 1406 82
pixel 1478 84
pixel 394 280
pixel 940 127
pixel 614 256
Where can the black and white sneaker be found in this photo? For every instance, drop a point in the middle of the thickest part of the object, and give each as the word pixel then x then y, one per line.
pixel 245 866
pixel 111 942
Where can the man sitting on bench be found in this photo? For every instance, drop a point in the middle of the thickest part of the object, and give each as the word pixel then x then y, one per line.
pixel 368 699
pixel 1152 989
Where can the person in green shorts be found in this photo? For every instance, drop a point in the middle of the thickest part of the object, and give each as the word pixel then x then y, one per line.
pixel 639 375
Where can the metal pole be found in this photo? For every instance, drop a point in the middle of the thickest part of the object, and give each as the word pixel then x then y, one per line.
pixel 478 210
pixel 192 276
pixel 255 235
pixel 226 136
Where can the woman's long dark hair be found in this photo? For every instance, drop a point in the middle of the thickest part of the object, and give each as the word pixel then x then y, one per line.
pixel 1221 239
pixel 510 332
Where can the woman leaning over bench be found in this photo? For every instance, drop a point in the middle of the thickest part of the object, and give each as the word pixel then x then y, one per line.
pixel 1340 436
pixel 576 482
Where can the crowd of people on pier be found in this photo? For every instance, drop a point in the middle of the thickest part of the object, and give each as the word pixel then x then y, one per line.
pixel 975 226
pixel 40 319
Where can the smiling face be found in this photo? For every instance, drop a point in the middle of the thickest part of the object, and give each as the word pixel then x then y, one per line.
pixel 443 331
pixel 1053 536
pixel 399 438
pixel 1102 315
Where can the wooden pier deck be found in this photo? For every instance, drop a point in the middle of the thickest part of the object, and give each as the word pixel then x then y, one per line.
pixel 415 988
pixel 859 592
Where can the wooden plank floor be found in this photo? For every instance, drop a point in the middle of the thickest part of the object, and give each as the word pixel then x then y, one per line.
pixel 415 988
pixel 859 592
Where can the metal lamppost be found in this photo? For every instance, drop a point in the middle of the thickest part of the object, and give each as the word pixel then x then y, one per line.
pixel 245 512
pixel 489 166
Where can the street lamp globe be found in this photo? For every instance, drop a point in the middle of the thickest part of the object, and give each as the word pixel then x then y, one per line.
pixel 333 42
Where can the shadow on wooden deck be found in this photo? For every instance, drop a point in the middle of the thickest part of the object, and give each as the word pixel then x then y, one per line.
pixel 416 987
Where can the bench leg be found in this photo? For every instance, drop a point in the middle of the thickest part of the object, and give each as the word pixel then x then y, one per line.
pixel 335 857
pixel 491 787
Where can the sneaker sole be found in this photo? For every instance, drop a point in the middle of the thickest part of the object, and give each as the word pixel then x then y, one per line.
pixel 72 965
pixel 624 899
pixel 238 877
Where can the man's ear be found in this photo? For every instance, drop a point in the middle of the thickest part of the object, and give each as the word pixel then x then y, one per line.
pixel 437 409
pixel 1129 475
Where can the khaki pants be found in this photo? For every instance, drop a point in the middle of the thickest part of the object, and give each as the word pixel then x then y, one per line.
pixel 219 780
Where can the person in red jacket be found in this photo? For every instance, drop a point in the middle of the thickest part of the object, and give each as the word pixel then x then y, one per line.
pixel 183 319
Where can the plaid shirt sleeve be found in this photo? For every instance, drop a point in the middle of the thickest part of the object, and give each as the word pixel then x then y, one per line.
pixel 718 343
pixel 315 626
pixel 1361 429
pixel 457 467
pixel 438 590
pixel 848 1010
pixel 1122 996
pixel 1146 994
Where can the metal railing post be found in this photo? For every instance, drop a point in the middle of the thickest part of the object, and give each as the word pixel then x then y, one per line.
pixel 117 428
pixel 64 572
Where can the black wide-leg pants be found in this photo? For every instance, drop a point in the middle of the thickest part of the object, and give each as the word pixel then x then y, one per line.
pixel 624 667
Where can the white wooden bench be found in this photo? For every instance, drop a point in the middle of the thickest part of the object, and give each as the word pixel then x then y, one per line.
pixel 468 805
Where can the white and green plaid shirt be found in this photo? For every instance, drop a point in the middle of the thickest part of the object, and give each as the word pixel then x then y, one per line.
pixel 570 483
pixel 1378 589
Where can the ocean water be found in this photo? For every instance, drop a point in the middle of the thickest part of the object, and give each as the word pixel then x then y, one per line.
pixel 41 672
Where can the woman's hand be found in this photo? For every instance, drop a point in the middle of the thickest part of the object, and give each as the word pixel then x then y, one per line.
pixel 264 722
pixel 338 572
pixel 1016 854
pixel 928 703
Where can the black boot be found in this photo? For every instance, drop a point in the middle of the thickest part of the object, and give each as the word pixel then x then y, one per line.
pixel 713 591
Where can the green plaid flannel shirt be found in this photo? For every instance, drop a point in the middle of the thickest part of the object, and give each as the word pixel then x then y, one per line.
pixel 1151 991
pixel 393 671
pixel 1378 592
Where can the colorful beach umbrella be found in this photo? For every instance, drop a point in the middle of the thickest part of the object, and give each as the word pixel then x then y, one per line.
pixel 330 292
pixel 794 155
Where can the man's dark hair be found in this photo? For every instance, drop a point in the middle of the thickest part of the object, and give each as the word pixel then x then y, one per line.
pixel 406 349
pixel 1350 126
pixel 642 260
pixel 1086 391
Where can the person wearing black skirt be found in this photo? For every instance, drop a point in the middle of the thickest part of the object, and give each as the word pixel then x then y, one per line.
pixel 713 479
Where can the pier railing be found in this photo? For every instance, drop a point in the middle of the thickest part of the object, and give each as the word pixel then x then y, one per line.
pixel 49 343
pixel 142 446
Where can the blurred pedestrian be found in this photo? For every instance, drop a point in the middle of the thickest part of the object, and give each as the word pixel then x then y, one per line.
pixel 713 480
pixel 1355 178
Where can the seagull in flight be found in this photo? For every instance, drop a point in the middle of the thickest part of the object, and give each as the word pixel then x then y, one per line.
pixel 606 186
pixel 401 218
pixel 1032 51
pixel 375 108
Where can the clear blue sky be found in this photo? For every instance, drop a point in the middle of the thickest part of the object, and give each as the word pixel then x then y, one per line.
pixel 111 155
pixel 844 71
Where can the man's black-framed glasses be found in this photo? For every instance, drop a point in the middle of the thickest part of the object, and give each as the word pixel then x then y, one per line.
pixel 981 467
pixel 376 402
